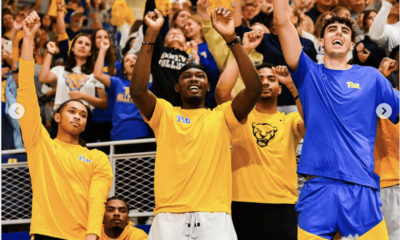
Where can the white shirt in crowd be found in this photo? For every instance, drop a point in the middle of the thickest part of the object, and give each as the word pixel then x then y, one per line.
pixel 385 35
pixel 75 81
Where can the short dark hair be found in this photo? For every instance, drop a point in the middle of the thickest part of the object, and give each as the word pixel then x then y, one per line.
pixel 189 66
pixel 336 19
pixel 118 198
pixel 265 65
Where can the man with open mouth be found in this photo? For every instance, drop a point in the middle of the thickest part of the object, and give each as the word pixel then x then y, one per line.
pixel 193 178
pixel 340 104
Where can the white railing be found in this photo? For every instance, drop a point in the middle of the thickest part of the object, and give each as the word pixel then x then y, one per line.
pixel 133 180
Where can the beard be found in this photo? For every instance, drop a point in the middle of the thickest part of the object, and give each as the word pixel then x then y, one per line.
pixel 117 229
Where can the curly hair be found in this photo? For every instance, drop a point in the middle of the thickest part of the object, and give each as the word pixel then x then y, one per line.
pixel 336 19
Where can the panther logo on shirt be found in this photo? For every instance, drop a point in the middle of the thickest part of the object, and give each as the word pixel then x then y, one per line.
pixel 263 132
pixel 75 81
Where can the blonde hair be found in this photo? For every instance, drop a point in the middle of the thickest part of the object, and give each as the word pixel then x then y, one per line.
pixel 199 21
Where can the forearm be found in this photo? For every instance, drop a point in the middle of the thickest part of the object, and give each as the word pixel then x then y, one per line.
pixel 227 80
pixel 13 34
pixel 60 22
pixel 237 13
pixel 378 26
pixel 292 88
pixel 141 72
pixel 288 36
pixel 45 70
pixel 95 101
pixel 98 70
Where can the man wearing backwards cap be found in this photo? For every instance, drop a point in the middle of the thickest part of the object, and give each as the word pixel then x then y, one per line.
pixel 193 177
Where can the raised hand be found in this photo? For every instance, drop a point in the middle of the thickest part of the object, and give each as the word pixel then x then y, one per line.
pixel 388 66
pixel 283 75
pixel 7 57
pixel 18 24
pixel 203 9
pixel 223 22
pixel 252 39
pixel 306 2
pixel 51 47
pixel 154 20
pixel 362 53
pixel 60 5
pixel 31 25
pixel 104 45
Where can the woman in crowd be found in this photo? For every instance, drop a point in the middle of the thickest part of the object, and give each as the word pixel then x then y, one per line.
pixel 97 14
pixel 75 79
pixel 48 27
pixel 367 52
pixel 102 118
pixel 179 19
pixel 127 123
pixel 193 31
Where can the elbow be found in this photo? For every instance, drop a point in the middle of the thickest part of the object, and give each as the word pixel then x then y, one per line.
pixel 42 79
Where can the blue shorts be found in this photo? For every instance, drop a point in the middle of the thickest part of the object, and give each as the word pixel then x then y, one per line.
pixel 327 206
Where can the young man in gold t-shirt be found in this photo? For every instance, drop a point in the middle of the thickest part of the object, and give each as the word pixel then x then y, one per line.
pixel 264 158
pixel 193 178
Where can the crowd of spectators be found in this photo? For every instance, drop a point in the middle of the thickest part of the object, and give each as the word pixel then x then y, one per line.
pixel 82 55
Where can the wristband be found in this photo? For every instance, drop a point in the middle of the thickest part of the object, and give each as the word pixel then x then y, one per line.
pixel 16 71
pixel 236 40
pixel 52 54
pixel 295 98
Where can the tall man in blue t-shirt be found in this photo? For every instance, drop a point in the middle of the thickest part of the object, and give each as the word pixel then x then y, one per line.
pixel 339 104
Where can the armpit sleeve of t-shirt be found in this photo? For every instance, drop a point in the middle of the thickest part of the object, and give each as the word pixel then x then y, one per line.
pixel 98 84
pixel 304 66
pixel 158 114
pixel 387 94
pixel 230 118
pixel 295 119
pixel 56 70
pixel 113 86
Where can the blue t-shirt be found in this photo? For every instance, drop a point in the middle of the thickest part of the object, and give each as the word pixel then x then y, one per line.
pixel 100 115
pixel 208 62
pixel 127 121
pixel 340 117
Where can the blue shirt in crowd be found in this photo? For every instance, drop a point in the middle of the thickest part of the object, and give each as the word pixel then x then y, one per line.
pixel 127 121
pixel 208 62
pixel 340 117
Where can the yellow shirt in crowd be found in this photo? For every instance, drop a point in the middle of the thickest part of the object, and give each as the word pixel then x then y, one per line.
pixel 193 159
pixel 386 152
pixel 264 158
pixel 129 233
pixel 70 183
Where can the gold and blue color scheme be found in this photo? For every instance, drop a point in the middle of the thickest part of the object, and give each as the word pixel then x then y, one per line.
pixel 327 206
pixel 339 109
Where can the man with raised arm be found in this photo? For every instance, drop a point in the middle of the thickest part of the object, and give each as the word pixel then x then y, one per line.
pixel 340 105
pixel 193 178
pixel 264 157
pixel 70 183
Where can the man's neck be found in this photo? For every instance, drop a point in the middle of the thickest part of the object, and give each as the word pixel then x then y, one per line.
pixel 322 8
pixel 67 138
pixel 339 63
pixel 195 105
pixel 392 19
pixel 113 233
pixel 268 106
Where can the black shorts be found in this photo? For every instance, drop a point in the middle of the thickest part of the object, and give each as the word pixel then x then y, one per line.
pixel 264 221
pixel 42 237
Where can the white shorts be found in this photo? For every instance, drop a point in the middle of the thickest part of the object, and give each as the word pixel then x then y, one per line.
pixel 390 197
pixel 192 226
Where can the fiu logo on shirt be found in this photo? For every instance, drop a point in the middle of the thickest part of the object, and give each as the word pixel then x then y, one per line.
pixel 263 132
pixel 83 159
pixel 75 81
pixel 353 85
pixel 182 119
pixel 125 96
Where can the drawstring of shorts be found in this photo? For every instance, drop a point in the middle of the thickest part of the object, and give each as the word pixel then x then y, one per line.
pixel 192 225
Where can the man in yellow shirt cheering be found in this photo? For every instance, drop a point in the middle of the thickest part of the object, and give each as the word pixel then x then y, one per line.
pixel 193 177
pixel 116 222
pixel 264 157
pixel 70 183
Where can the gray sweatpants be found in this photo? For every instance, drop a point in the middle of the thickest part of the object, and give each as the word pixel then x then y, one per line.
pixel 192 226
pixel 390 197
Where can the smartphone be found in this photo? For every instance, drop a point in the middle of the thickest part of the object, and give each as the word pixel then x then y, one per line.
pixel 7 46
